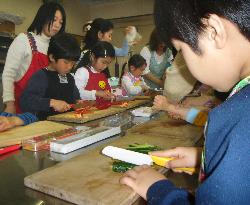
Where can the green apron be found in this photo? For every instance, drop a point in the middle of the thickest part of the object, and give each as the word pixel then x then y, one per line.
pixel 158 70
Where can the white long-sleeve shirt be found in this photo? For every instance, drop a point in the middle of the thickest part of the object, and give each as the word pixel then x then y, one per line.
pixel 81 79
pixel 18 59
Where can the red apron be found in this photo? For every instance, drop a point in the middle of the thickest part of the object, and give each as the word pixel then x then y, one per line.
pixel 98 81
pixel 39 60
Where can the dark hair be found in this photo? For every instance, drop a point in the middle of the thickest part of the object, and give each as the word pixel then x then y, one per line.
pixel 46 15
pixel 64 46
pixel 101 49
pixel 98 25
pixel 182 19
pixel 135 60
pixel 155 40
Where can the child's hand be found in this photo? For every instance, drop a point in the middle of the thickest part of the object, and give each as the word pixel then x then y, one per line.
pixel 9 122
pixel 140 178
pixel 161 103
pixel 145 89
pixel 59 105
pixel 104 94
pixel 185 157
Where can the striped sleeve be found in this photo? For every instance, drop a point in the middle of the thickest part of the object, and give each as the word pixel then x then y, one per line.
pixel 27 118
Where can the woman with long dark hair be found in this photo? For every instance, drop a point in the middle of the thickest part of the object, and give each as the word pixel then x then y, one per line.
pixel 28 53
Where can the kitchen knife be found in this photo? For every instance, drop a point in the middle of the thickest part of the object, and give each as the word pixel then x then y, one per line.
pixel 139 158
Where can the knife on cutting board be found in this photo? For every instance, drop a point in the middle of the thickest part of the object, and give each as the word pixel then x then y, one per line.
pixel 140 158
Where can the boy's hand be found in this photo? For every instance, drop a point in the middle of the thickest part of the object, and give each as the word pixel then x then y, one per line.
pixel 9 122
pixel 140 178
pixel 161 103
pixel 59 105
pixel 185 157
pixel 104 94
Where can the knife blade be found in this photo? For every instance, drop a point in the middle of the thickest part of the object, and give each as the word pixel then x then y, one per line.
pixel 139 158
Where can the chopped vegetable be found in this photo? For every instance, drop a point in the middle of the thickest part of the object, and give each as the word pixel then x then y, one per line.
pixel 143 148
pixel 119 166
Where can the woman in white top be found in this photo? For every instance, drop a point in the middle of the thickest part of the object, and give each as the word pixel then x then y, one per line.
pixel 28 53
pixel 158 58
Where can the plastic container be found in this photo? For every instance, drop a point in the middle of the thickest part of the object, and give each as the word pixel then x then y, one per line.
pixel 42 142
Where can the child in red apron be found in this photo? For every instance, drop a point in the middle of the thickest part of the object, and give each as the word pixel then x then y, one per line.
pixel 27 53
pixel 91 82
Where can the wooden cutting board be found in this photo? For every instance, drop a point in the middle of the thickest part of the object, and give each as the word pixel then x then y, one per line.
pixel 164 126
pixel 95 113
pixel 134 103
pixel 16 135
pixel 88 178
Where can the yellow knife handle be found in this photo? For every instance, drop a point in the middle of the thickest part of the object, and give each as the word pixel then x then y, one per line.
pixel 161 161
pixel 192 170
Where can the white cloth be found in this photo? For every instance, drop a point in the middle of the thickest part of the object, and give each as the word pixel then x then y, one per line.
pixel 146 54
pixel 18 60
pixel 179 81
pixel 81 79
pixel 132 88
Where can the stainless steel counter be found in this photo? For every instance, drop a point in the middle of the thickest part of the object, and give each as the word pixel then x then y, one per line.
pixel 16 165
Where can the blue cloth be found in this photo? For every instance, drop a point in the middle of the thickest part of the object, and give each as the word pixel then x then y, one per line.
pixel 227 159
pixel 26 117
pixel 192 114
pixel 123 51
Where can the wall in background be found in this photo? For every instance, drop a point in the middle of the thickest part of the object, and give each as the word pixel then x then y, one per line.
pixel 120 9
pixel 77 13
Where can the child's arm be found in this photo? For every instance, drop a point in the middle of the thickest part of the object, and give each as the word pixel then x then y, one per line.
pixel 153 186
pixel 8 120
pixel 192 115
pixel 32 99
pixel 81 79
pixel 184 157
pixel 129 87
pixel 204 100
pixel 59 105
pixel 123 51
pixel 145 87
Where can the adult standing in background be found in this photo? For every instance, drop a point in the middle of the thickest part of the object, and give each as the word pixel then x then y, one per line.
pixel 100 30
pixel 28 53
pixel 158 58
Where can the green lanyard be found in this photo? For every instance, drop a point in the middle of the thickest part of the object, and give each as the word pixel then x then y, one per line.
pixel 243 83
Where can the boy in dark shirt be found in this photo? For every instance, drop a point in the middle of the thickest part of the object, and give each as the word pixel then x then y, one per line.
pixel 51 90
pixel 214 38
